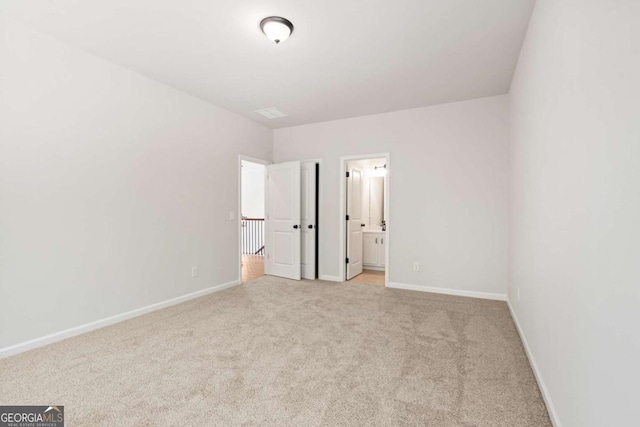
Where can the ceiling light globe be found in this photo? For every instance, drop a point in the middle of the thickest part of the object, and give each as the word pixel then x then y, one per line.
pixel 276 28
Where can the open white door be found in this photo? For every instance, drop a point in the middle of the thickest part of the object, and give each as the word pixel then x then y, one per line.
pixel 354 223
pixel 308 220
pixel 283 220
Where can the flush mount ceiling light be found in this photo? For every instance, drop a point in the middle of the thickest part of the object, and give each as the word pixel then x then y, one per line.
pixel 278 29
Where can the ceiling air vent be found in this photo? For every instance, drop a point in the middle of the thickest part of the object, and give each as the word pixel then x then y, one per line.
pixel 271 113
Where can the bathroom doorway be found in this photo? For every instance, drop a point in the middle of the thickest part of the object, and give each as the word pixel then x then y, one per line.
pixel 366 210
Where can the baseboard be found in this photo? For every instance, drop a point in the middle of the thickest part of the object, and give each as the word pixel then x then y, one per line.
pixel 553 415
pixel 372 267
pixel 68 333
pixel 330 278
pixel 457 292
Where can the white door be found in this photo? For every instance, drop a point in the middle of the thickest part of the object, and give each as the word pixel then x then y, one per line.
pixel 308 220
pixel 283 220
pixel 354 221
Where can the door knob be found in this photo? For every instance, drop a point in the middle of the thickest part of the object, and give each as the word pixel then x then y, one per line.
pixel 310 226
pixel 295 226
pixel 362 225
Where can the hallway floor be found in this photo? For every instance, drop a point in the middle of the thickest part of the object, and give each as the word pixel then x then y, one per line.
pixel 252 267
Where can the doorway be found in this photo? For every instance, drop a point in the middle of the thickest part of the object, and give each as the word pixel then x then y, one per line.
pixel 365 208
pixel 252 218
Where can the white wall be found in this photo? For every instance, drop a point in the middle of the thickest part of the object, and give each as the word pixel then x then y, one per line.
pixel 448 189
pixel 110 190
pixel 253 189
pixel 575 207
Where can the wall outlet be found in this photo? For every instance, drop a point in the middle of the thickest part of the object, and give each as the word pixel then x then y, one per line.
pixel 416 266
pixel 232 215
pixel 194 271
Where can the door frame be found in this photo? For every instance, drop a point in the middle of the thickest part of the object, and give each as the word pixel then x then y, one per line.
pixel 242 158
pixel 343 211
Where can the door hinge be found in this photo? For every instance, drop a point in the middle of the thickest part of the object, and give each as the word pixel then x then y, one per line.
pixel 347 174
pixel 347 217
pixel 347 260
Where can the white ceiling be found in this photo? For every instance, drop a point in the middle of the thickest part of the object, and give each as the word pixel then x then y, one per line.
pixel 345 58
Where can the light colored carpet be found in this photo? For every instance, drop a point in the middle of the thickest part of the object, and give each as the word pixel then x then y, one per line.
pixel 280 352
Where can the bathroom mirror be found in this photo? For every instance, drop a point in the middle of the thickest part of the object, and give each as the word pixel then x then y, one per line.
pixel 376 201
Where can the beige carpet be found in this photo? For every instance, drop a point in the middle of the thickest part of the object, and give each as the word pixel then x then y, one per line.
pixel 280 352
